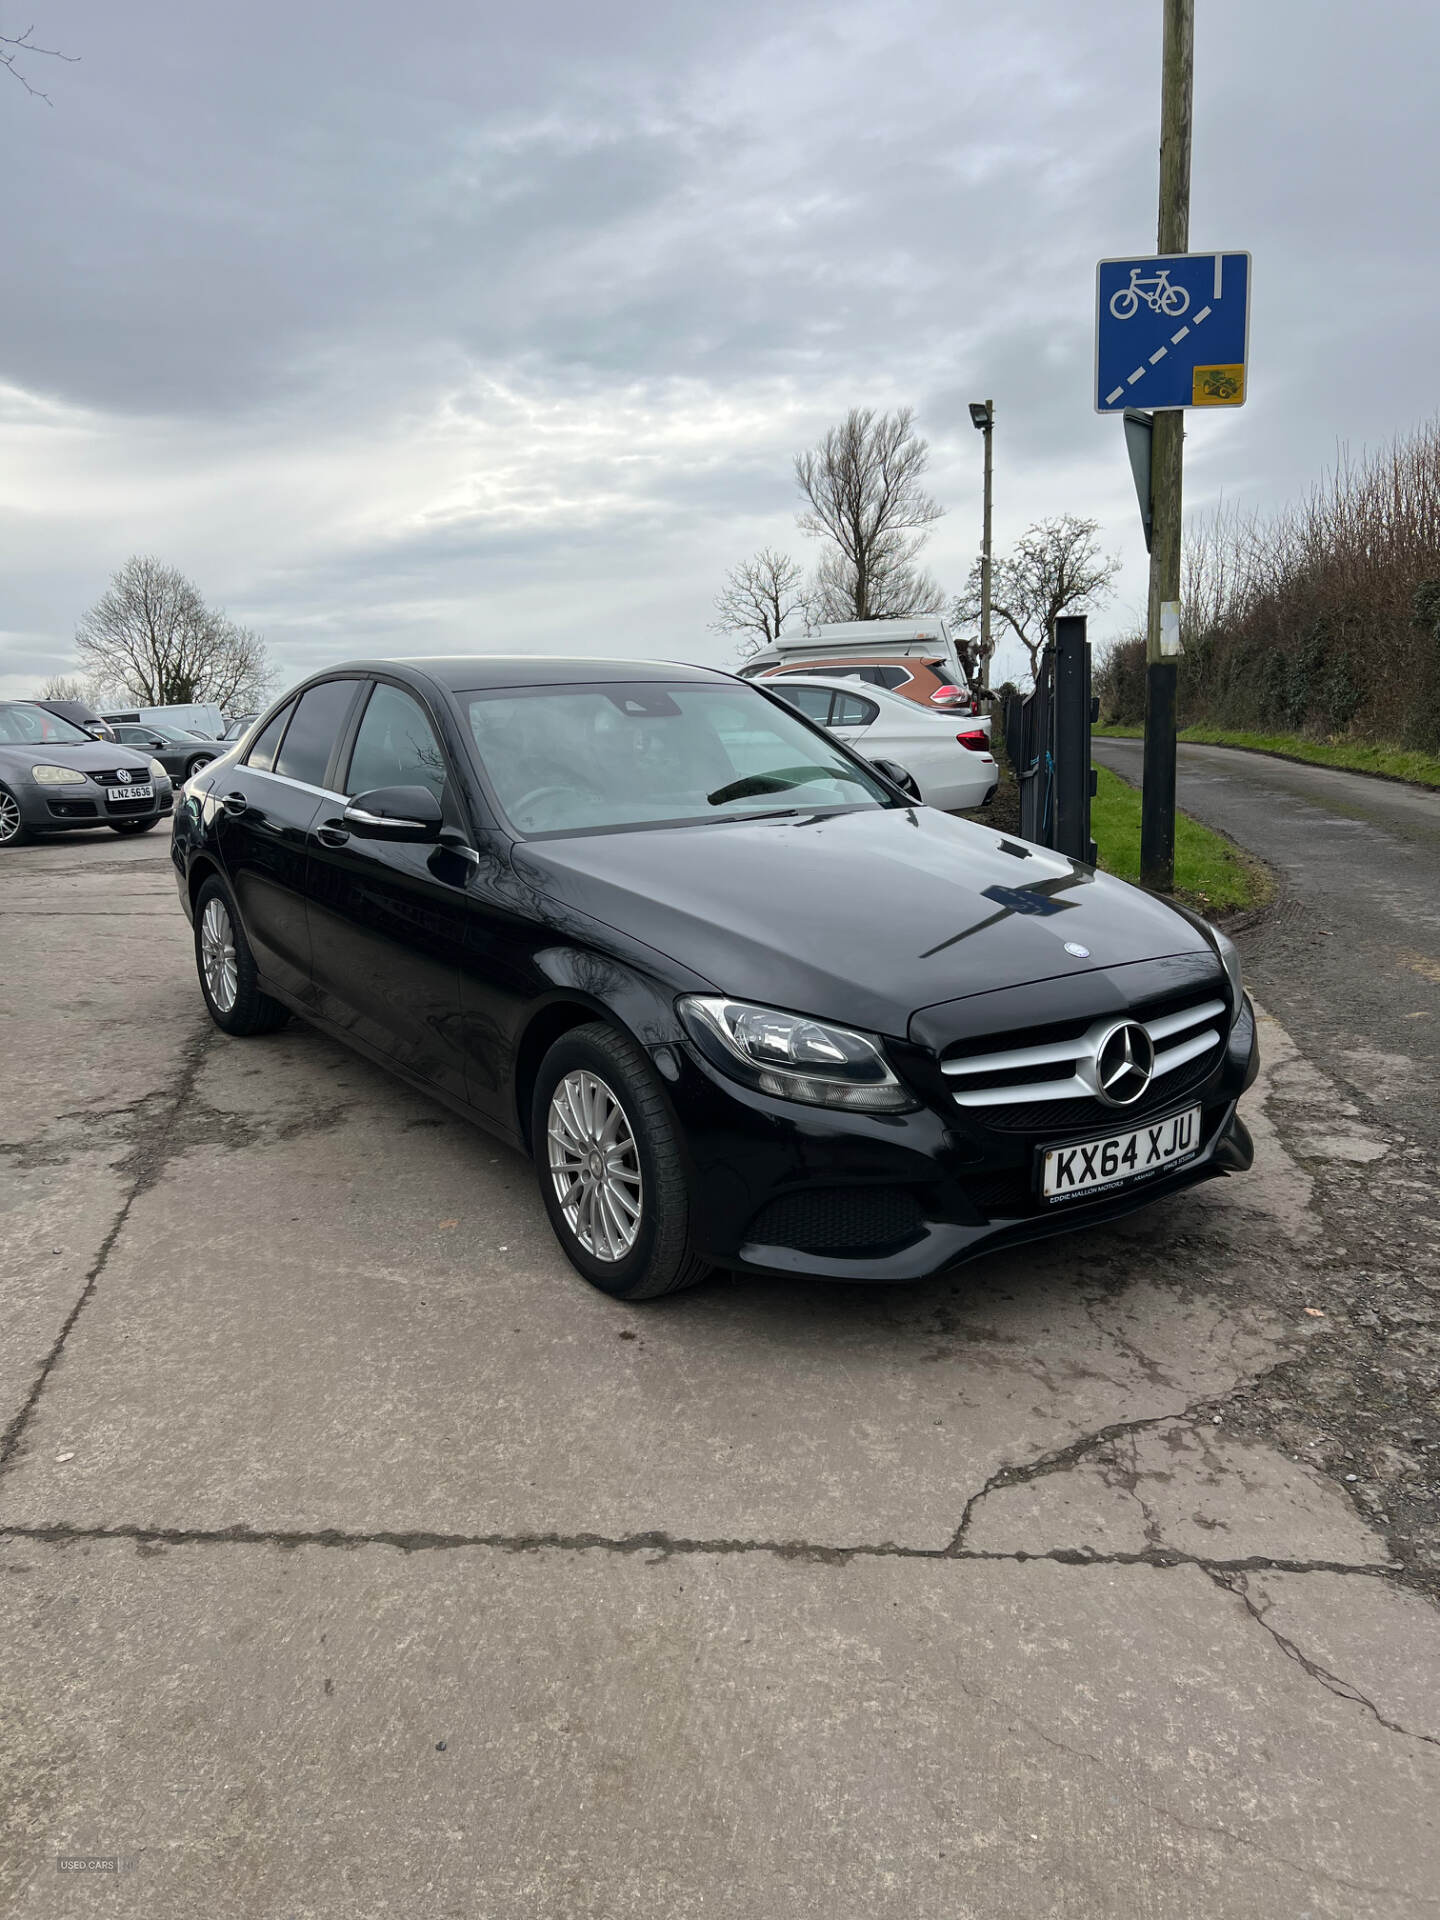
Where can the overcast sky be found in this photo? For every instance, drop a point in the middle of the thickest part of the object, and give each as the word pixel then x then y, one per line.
pixel 464 326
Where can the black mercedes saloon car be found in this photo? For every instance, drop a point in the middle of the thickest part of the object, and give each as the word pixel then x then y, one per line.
pixel 745 1002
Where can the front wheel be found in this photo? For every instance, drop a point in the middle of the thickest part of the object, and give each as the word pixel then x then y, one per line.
pixel 611 1173
pixel 1174 301
pixel 13 830
pixel 134 826
pixel 229 978
pixel 196 762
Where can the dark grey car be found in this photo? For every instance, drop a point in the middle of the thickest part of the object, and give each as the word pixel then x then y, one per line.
pixel 55 778
pixel 179 752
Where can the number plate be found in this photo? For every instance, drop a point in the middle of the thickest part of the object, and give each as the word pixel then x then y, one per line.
pixel 1117 1159
pixel 131 793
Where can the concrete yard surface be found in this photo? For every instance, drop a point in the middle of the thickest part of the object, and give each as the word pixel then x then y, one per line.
pixel 356 1559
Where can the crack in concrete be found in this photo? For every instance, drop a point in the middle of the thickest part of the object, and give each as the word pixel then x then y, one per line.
pixel 667 1545
pixel 1233 1581
pixel 154 1147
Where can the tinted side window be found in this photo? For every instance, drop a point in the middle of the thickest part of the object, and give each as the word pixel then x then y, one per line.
pixel 262 753
pixel 852 711
pixel 311 736
pixel 395 746
pixel 890 676
pixel 813 702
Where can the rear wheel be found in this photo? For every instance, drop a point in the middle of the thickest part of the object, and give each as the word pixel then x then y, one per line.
pixel 229 979
pixel 196 762
pixel 611 1173
pixel 134 826
pixel 12 828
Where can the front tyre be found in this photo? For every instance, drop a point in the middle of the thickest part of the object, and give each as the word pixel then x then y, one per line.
pixel 13 831
pixel 611 1173
pixel 229 979
pixel 134 826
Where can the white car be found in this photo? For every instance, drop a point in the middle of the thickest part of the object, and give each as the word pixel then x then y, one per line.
pixel 882 725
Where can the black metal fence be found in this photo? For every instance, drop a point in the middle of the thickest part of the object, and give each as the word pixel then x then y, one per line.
pixel 1047 736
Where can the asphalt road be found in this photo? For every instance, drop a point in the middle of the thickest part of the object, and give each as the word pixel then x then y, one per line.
pixel 357 1560
pixel 1350 960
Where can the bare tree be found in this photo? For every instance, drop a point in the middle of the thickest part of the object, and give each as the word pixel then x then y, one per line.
pixel 863 487
pixel 758 597
pixel 151 637
pixel 65 686
pixel 13 46
pixel 1055 567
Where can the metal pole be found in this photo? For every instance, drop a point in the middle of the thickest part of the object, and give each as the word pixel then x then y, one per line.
pixel 1157 816
pixel 985 643
pixel 1072 738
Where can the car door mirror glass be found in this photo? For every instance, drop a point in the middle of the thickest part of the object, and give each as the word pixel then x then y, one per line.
pixel 395 813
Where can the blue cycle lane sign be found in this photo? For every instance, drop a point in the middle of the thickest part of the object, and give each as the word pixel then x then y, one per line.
pixel 1172 330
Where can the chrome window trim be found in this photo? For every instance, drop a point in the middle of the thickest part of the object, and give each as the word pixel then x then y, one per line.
pixel 289 780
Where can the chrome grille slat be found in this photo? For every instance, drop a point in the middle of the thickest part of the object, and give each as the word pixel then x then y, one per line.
pixel 1083 1052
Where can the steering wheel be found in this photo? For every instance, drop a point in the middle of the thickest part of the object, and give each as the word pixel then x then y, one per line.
pixel 544 793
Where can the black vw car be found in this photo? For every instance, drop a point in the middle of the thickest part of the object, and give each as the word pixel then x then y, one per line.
pixel 745 1002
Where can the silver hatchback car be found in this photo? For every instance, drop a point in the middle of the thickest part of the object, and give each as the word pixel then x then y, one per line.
pixel 55 778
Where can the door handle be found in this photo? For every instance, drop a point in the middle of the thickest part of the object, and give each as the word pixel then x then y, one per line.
pixel 332 834
pixel 235 803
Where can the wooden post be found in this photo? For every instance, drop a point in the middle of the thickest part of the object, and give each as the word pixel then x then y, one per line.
pixel 986 645
pixel 1157 816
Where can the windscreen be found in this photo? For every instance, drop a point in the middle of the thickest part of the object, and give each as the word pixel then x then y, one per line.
pixel 23 725
pixel 573 759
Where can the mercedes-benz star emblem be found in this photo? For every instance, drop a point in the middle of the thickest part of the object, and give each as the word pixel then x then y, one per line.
pixel 1074 946
pixel 1124 1063
pixel 123 777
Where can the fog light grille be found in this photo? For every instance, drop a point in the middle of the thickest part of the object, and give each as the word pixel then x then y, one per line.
pixel 845 1220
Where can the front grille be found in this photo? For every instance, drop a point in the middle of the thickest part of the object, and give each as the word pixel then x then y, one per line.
pixel 1070 1116
pixel 853 1220
pixel 119 804
pixel 117 776
pixel 1050 1079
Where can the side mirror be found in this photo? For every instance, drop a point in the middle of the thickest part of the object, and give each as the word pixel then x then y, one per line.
pixel 395 813
pixel 898 776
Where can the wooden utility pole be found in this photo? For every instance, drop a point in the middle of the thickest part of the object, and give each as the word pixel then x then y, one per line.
pixel 1157 820
pixel 986 645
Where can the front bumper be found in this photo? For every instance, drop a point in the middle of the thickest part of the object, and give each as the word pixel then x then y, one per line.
pixel 71 808
pixel 779 1188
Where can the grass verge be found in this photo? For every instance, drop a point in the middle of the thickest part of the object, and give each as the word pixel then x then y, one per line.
pixel 1393 763
pixel 1211 873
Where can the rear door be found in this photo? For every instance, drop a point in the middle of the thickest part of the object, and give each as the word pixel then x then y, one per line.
pixel 267 805
pixel 853 719
pixel 387 919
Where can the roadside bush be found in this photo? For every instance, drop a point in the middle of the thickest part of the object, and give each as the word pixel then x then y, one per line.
pixel 1323 619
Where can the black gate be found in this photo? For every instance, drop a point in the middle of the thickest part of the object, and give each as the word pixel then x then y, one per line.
pixel 1047 736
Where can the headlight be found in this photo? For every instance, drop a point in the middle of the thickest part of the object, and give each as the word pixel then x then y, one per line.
pixel 58 776
pixel 794 1057
pixel 1230 955
pixel 157 772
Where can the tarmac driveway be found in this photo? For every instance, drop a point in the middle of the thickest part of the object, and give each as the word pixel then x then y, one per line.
pixel 358 1560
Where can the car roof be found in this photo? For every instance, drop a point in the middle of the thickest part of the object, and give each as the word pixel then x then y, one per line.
pixel 471 672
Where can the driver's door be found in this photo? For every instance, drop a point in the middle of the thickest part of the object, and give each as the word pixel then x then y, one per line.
pixel 387 919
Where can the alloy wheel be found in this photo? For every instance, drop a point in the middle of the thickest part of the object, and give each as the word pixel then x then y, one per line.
pixel 595 1165
pixel 217 954
pixel 9 816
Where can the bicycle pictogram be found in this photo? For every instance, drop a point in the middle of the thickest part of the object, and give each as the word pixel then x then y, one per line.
pixel 1157 293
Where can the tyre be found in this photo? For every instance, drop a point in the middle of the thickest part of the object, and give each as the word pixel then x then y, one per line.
pixel 134 826
pixel 228 977
pixel 611 1172
pixel 13 830
pixel 1174 301
pixel 1124 303
pixel 196 762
